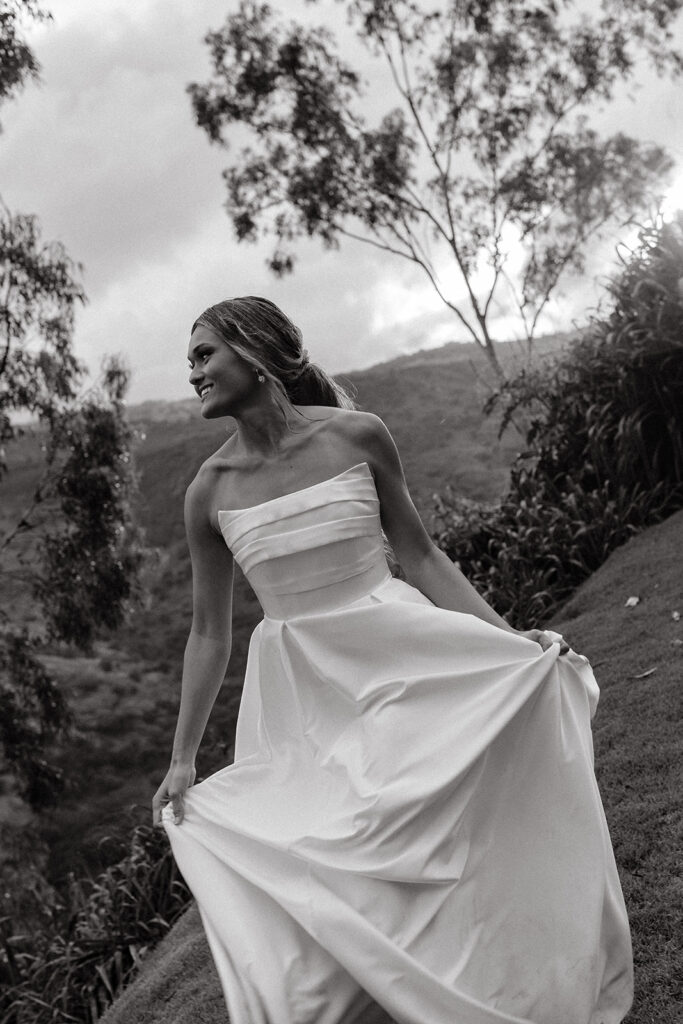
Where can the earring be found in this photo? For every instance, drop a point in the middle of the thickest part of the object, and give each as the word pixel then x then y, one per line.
pixel 260 377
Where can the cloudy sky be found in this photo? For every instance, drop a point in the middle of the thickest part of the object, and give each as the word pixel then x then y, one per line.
pixel 106 152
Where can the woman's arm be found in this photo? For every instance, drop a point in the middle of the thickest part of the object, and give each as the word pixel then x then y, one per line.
pixel 426 567
pixel 207 651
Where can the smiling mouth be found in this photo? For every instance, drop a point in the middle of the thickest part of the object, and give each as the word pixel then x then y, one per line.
pixel 203 391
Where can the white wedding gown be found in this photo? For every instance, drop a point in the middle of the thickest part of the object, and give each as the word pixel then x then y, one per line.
pixel 412 814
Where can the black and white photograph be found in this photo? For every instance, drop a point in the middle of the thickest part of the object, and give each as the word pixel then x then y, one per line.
pixel 341 512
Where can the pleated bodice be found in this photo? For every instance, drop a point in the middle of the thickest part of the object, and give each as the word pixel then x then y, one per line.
pixel 315 549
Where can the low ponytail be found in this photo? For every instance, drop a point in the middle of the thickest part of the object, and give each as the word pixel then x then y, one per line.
pixel 268 340
pixel 312 386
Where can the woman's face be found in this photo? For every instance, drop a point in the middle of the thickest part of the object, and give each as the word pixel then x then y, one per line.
pixel 221 378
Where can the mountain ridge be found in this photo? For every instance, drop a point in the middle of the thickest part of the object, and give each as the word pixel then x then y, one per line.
pixel 450 353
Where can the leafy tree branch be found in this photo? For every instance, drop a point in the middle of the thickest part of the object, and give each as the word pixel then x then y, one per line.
pixel 484 146
pixel 81 561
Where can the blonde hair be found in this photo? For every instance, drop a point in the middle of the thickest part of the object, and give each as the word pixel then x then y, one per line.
pixel 267 339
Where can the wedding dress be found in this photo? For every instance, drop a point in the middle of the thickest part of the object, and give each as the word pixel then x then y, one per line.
pixel 412 815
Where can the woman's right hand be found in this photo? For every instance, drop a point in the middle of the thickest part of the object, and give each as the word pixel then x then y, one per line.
pixel 179 778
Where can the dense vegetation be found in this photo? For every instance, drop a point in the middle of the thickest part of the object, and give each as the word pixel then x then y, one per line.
pixel 87 943
pixel 604 445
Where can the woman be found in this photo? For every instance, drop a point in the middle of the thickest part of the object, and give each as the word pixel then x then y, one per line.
pixel 412 815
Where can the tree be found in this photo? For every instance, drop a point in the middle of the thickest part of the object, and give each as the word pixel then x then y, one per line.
pixel 75 544
pixel 17 62
pixel 488 146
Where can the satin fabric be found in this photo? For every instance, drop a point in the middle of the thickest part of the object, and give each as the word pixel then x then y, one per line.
pixel 412 815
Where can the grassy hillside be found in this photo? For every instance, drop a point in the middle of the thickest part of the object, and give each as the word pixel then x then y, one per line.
pixel 637 654
pixel 126 696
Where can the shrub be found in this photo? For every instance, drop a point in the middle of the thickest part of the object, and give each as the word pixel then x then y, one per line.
pixel 527 555
pixel 97 936
pixel 604 445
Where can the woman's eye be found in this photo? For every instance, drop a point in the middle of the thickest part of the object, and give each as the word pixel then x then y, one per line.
pixel 202 356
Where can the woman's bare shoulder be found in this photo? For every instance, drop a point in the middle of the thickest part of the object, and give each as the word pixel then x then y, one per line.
pixel 202 496
pixel 201 490
pixel 212 467
pixel 361 435
pixel 354 424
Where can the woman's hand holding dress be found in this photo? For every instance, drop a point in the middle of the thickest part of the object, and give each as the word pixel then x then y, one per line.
pixel 543 639
pixel 179 778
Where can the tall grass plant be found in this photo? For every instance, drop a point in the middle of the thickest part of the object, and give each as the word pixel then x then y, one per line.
pixel 94 937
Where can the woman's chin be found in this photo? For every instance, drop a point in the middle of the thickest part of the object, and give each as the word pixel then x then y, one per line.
pixel 212 411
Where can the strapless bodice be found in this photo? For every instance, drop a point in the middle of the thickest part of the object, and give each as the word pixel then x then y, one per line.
pixel 314 549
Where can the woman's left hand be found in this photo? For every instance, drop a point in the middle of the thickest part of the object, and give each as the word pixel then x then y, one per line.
pixel 542 638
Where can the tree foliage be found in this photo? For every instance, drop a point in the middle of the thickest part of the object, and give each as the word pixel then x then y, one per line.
pixel 33 713
pixel 39 292
pixel 17 61
pixel 75 544
pixel 611 413
pixel 487 148
pixel 90 559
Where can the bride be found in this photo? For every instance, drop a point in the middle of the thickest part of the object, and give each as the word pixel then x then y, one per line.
pixel 411 819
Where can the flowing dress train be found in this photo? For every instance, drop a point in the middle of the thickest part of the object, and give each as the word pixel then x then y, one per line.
pixel 412 815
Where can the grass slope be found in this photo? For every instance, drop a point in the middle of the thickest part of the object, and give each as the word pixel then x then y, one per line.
pixel 638 748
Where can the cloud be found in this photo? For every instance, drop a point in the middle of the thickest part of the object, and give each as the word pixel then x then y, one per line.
pixel 147 313
pixel 106 151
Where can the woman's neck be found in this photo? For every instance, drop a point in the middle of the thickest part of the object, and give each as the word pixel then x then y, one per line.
pixel 263 428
